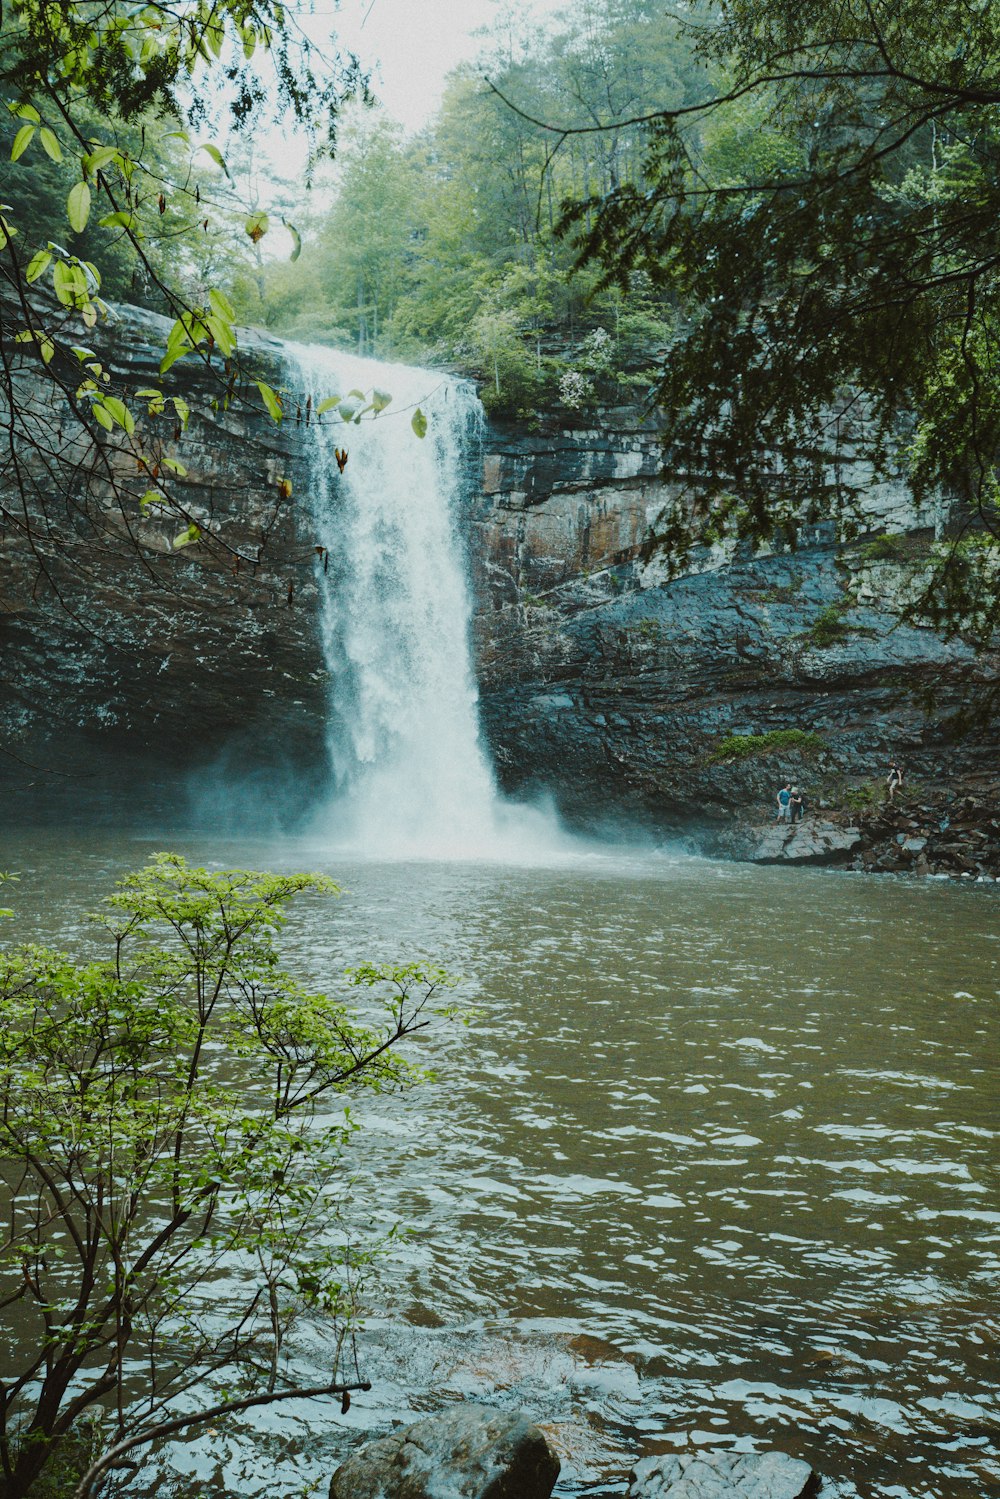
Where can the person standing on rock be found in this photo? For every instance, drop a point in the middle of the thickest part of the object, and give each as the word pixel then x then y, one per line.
pixel 894 780
pixel 784 801
pixel 796 804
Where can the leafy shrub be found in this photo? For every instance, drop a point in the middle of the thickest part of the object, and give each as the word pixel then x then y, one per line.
pixel 829 626
pixel 867 794
pixel 884 548
pixel 740 746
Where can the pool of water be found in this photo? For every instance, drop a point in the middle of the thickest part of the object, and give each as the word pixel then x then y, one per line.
pixel 715 1163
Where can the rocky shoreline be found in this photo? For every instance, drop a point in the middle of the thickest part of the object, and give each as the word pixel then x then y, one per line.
pixel 933 831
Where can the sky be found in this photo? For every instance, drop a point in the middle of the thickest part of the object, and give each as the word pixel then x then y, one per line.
pixel 411 45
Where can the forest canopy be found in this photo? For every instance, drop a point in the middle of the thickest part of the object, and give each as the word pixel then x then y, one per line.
pixel 774 223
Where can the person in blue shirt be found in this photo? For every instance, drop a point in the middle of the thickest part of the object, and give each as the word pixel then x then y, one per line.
pixel 784 802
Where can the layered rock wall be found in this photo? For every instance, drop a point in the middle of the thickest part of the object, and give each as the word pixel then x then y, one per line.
pixel 616 686
pixel 604 680
pixel 120 648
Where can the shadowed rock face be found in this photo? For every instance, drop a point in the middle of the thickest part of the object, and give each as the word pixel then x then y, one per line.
pixel 615 687
pixel 122 650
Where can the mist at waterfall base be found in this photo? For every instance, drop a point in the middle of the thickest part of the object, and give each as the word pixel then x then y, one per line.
pixel 410 776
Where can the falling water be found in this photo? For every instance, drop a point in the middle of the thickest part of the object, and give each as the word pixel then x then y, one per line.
pixel 410 773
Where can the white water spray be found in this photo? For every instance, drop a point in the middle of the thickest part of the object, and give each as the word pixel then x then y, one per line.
pixel 410 774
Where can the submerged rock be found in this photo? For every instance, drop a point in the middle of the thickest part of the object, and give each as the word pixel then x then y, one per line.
pixel 468 1452
pixel 721 1475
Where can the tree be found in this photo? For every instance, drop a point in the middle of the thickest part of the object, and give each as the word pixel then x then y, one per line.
pixel 105 100
pixel 824 215
pixel 172 1163
pixel 368 237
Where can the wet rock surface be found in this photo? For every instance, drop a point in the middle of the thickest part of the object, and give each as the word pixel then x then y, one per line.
pixel 806 842
pixel 116 643
pixel 616 687
pixel 722 1475
pixel 940 830
pixel 469 1452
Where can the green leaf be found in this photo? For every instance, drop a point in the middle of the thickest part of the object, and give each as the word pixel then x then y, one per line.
pixel 120 413
pixel 270 400
pixel 188 537
pixel 22 141
pixel 119 220
pixel 50 144
pixel 256 225
pixel 348 410
pixel 380 400
pixel 38 265
pixel 296 240
pixel 221 304
pixel 62 282
pixel 221 331
pixel 151 497
pixel 78 207
pixel 95 160
pixel 25 112
pixel 178 343
pixel 175 466
pixel 327 405
pixel 419 423
pixel 217 157
pixel 103 416
pixel 214 36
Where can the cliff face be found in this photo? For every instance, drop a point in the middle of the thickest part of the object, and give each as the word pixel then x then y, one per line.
pixel 123 652
pixel 603 681
pixel 617 688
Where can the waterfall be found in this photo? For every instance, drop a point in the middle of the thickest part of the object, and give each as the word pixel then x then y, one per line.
pixel 410 774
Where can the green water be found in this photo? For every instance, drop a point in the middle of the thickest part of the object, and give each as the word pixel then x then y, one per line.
pixel 715 1164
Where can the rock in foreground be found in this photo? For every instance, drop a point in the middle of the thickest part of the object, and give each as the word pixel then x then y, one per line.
pixel 469 1452
pixel 721 1475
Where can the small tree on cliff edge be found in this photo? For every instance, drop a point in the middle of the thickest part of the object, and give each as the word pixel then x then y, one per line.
pixel 170 1161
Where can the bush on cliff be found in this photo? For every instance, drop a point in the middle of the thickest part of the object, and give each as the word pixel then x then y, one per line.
pixel 740 746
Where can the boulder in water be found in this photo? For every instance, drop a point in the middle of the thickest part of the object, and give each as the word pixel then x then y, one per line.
pixel 468 1452
pixel 721 1475
pixel 804 843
